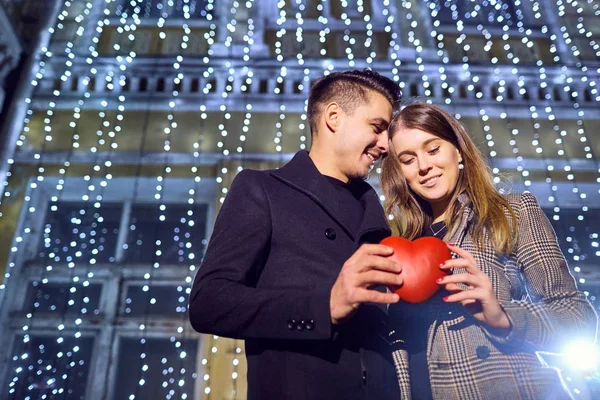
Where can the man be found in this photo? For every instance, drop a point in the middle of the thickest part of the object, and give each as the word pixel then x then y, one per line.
pixel 286 268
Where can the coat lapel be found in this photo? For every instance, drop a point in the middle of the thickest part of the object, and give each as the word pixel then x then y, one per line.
pixel 373 227
pixel 302 174
pixel 439 309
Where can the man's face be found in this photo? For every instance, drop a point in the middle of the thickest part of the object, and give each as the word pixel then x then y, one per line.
pixel 363 136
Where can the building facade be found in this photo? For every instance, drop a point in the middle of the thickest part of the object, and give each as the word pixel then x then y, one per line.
pixel 130 118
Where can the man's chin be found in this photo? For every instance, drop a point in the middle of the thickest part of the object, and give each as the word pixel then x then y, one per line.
pixel 363 175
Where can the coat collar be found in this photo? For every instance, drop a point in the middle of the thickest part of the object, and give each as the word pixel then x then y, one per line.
pixel 302 174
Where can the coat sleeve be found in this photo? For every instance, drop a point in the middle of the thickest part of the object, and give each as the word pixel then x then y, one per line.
pixel 225 299
pixel 555 310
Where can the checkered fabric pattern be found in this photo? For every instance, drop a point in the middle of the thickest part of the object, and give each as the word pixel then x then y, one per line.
pixel 538 293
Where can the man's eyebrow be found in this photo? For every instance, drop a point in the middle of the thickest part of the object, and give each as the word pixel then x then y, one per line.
pixel 379 121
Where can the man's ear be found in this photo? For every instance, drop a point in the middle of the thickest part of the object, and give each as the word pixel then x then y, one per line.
pixel 333 115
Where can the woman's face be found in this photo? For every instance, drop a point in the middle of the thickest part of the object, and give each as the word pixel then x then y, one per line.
pixel 429 164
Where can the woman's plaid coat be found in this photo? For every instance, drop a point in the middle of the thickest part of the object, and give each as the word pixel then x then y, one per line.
pixel 534 286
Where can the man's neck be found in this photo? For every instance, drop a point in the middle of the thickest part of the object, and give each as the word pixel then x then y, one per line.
pixel 323 163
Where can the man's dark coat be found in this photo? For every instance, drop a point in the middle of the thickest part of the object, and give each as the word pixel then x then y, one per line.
pixel 277 247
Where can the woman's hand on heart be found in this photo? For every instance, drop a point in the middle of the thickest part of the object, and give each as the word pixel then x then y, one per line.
pixel 479 299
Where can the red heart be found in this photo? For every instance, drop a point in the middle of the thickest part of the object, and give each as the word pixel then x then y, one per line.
pixel 420 260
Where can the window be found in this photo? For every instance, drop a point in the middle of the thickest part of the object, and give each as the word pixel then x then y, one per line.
pixel 42 363
pixel 156 300
pixel 177 234
pixel 78 232
pixel 61 298
pixel 153 360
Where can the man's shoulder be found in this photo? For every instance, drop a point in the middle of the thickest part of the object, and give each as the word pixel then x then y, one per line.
pixel 255 175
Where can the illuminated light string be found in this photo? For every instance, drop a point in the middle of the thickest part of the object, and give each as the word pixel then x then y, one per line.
pixel 389 20
pixel 305 77
pixel 40 169
pixel 39 76
pixel 445 85
pixel 240 149
pixel 474 79
pixel 191 255
pixel 245 86
pixel 371 55
pixel 534 117
pixel 584 79
pixel 418 45
pixel 183 292
pixel 524 172
pixel 580 26
pixel 195 169
pixel 158 196
pixel 580 122
pixel 281 32
pixel 47 128
pixel 582 139
pixel 350 41
pixel 561 133
pixel 369 40
pixel 302 124
pixel 324 31
pixel 182 354
pixel 97 167
pixel 74 278
pixel 42 64
pixel 522 91
pixel 228 88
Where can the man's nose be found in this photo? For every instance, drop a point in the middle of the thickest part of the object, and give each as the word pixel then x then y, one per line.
pixel 383 143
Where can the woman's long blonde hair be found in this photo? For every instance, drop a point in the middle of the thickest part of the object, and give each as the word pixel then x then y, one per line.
pixel 412 214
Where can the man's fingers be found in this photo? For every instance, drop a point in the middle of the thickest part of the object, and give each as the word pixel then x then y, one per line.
pixel 374 277
pixel 373 296
pixel 379 263
pixel 376 250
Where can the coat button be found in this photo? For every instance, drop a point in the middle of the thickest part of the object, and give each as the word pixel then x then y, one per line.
pixel 291 324
pixel 310 325
pixel 300 326
pixel 364 377
pixel 483 352
pixel 330 233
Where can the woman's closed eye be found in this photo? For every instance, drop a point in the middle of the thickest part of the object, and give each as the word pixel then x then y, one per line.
pixel 434 150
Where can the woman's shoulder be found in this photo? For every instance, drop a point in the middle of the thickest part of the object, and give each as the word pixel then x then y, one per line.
pixel 521 201
pixel 516 198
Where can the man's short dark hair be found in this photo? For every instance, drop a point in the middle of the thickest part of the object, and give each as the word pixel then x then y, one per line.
pixel 349 89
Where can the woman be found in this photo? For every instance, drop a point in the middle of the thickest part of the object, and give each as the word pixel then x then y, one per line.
pixel 509 292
